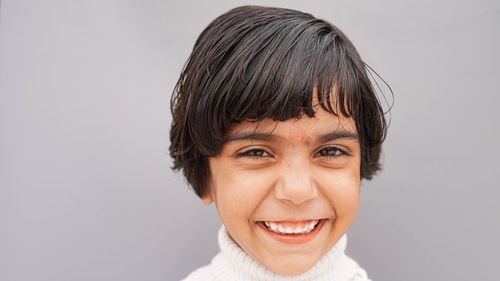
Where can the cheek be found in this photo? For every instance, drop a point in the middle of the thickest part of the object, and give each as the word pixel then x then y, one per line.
pixel 238 192
pixel 341 188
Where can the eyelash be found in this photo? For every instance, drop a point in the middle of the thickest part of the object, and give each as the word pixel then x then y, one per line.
pixel 253 151
pixel 337 153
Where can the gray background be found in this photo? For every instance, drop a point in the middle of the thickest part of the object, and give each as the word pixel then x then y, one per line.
pixel 86 190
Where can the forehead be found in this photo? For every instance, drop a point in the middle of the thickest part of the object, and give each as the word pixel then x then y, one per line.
pixel 305 129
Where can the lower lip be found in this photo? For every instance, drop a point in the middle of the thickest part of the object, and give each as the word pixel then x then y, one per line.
pixel 294 238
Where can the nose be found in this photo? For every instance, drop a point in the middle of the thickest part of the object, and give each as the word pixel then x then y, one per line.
pixel 295 184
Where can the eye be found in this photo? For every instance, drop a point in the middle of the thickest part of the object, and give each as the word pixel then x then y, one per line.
pixel 331 152
pixel 254 153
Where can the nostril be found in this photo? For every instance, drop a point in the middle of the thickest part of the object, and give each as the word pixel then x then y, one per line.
pixel 297 191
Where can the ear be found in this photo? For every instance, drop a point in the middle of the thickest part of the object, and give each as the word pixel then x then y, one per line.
pixel 207 198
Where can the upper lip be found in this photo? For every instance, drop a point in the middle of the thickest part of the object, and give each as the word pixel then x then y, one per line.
pixel 291 220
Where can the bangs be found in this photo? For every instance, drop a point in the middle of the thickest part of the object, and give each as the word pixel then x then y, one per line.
pixel 273 74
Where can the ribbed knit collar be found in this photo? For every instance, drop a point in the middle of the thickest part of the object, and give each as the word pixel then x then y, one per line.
pixel 234 264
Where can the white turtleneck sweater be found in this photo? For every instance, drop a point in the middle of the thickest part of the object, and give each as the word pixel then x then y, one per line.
pixel 233 264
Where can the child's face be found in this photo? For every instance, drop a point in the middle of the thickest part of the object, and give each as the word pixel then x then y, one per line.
pixel 290 174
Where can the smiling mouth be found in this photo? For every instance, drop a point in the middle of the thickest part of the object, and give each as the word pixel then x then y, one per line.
pixel 291 227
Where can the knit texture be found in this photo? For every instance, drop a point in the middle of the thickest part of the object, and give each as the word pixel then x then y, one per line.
pixel 233 264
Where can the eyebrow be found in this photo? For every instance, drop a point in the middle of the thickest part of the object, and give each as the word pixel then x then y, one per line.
pixel 338 134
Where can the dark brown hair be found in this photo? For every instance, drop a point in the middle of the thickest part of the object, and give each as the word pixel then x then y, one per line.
pixel 253 63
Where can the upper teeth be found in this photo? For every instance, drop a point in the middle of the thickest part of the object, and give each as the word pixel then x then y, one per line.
pixel 287 229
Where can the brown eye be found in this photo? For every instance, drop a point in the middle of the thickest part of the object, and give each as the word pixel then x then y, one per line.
pixel 331 151
pixel 254 153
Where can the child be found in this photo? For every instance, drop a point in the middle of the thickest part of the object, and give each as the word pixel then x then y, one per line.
pixel 276 122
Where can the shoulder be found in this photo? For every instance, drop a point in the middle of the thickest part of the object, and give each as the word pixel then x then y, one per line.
pixel 201 274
